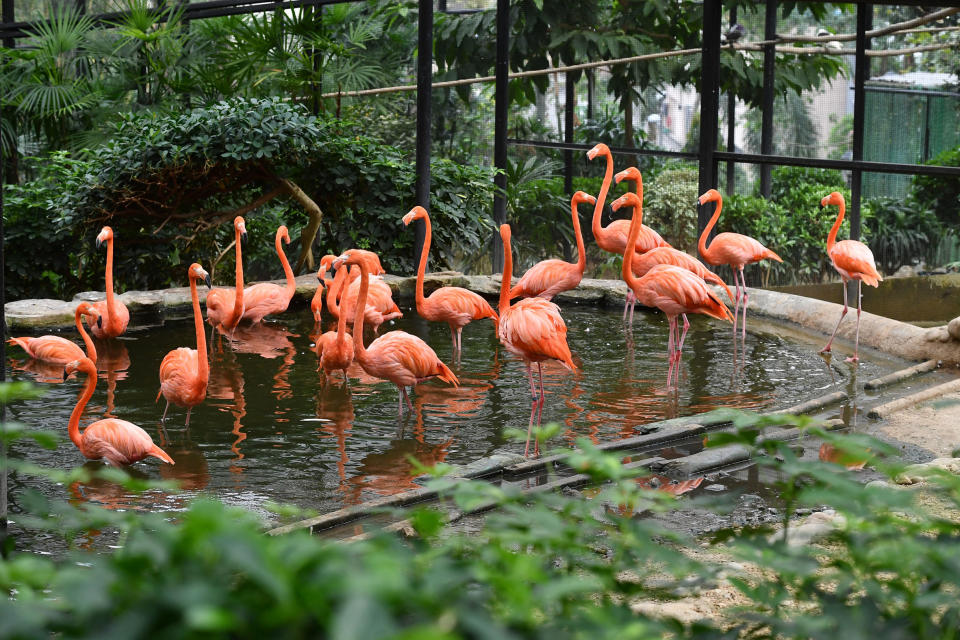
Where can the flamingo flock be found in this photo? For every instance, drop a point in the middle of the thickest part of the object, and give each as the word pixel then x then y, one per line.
pixel 532 328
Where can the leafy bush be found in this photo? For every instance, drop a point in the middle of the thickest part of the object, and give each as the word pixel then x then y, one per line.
pixel 669 201
pixel 900 232
pixel 941 193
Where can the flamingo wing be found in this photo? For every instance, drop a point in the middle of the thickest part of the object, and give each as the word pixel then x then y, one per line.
pixel 121 318
pixel 737 250
pixel 220 305
pixel 534 330
pixel 405 359
pixel 180 380
pixel 648 240
pixel 546 279
pixel 262 299
pixel 119 442
pixel 457 306
pixel 675 291
pixel 53 349
pixel 854 261
pixel 670 256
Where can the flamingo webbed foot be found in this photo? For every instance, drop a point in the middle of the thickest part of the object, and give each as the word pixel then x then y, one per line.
pixel 853 360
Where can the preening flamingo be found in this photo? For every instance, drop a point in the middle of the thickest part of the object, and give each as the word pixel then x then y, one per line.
pixel 732 249
pixel 265 298
pixel 397 356
pixel 316 303
pixel 344 279
pixel 113 313
pixel 549 277
pixel 673 290
pixel 117 441
pixel 454 305
pixel 380 306
pixel 225 306
pixel 184 372
pixel 335 347
pixel 853 260
pixel 531 329
pixel 57 350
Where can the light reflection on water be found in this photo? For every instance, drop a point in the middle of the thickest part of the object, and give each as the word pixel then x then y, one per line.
pixel 270 430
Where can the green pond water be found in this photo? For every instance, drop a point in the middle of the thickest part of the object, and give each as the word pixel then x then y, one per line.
pixel 269 430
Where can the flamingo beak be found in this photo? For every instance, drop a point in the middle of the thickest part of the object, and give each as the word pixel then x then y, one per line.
pixel 99 322
pixel 65 374
pixel 99 242
pixel 243 237
pixel 206 279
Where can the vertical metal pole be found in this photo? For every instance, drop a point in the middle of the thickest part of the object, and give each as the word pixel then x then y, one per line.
pixel 591 82
pixel 860 74
pixel 769 67
pixel 731 119
pixel 501 103
pixel 7 15
pixel 424 91
pixel 3 364
pixel 569 104
pixel 709 103
pixel 442 5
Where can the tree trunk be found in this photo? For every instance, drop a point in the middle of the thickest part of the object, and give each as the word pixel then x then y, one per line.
pixel 309 233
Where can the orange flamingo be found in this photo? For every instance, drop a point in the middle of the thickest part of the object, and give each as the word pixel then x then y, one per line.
pixel 117 441
pixel 549 277
pixel 57 350
pixel 316 303
pixel 265 298
pixel 397 356
pixel 673 290
pixel 335 347
pixel 665 255
pixel 225 306
pixel 532 329
pixel 454 305
pixel 380 306
pixel 853 260
pixel 346 278
pixel 734 250
pixel 184 372
pixel 114 314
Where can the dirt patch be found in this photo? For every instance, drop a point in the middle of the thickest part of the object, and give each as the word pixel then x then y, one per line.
pixel 933 426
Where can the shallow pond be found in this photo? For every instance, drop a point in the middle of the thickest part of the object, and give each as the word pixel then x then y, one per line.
pixel 271 431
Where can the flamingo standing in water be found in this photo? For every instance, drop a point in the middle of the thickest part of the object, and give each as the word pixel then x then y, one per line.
pixel 532 329
pixel 184 372
pixel 225 306
pixel 113 313
pixel 335 347
pixel 397 356
pixel 853 260
pixel 117 441
pixel 732 249
pixel 57 350
pixel 316 303
pixel 454 305
pixel 265 298
pixel 673 290
pixel 379 307
pixel 549 277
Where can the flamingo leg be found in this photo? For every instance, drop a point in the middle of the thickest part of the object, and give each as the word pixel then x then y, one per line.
pixel 629 302
pixel 453 339
pixel 526 446
pixel 187 423
pixel 459 340
pixel 400 394
pixel 686 327
pixel 533 390
pixel 736 301
pixel 743 327
pixel 856 342
pixel 540 374
pixel 633 304
pixel 165 409
pixel 406 396
pixel 826 349
pixel 670 354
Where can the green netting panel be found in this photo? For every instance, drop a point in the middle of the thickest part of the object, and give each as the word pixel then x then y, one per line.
pixel 944 124
pixel 893 132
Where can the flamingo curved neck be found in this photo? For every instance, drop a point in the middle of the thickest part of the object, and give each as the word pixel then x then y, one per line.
pixel 640 198
pixel 832 237
pixel 581 250
pixel 359 350
pixel 202 365
pixel 111 302
pixel 287 271
pixel 504 305
pixel 422 269
pixel 702 244
pixel 73 427
pixel 333 306
pixel 595 226
pixel 628 253
pixel 87 342
pixel 238 287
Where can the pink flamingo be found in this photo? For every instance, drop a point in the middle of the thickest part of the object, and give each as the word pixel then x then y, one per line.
pixel 673 290
pixel 57 350
pixel 265 298
pixel 225 306
pixel 853 260
pixel 316 303
pixel 117 441
pixel 113 313
pixel 335 347
pixel 380 306
pixel 454 305
pixel 532 329
pixel 734 250
pixel 344 279
pixel 549 277
pixel 184 372
pixel 397 356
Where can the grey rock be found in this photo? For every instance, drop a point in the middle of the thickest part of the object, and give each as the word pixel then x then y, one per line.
pixel 906 271
pixel 715 487
pixel 953 328
pixel 90 296
pixel 44 313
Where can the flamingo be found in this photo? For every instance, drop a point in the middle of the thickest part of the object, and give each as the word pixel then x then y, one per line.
pixel 380 306
pixel 345 278
pixel 335 347
pixel 316 303
pixel 734 250
pixel 673 290
pixel 57 350
pixel 117 441
pixel 225 306
pixel 853 260
pixel 265 298
pixel 454 305
pixel 549 277
pixel 664 255
pixel 184 372
pixel 113 313
pixel 532 329
pixel 397 356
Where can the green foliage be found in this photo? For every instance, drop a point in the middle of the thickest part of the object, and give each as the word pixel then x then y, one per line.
pixel 941 193
pixel 900 232
pixel 669 206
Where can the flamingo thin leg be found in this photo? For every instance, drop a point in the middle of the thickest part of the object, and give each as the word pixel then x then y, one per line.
pixel 736 301
pixel 743 327
pixel 165 409
pixel 826 349
pixel 187 423
pixel 856 342
pixel 670 354
pixel 533 390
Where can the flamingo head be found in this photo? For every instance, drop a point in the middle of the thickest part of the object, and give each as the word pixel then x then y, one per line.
pixel 834 198
pixel 580 197
pixel 199 273
pixel 90 311
pixel 600 149
pixel 83 364
pixel 712 195
pixel 371 259
pixel 505 232
pixel 241 227
pixel 630 173
pixel 417 213
pixel 283 233
pixel 628 199
pixel 105 235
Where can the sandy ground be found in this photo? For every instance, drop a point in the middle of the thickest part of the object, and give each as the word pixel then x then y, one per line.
pixel 933 426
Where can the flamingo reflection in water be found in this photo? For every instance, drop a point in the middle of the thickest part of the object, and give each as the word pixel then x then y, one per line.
pixel 113 364
pixel 226 383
